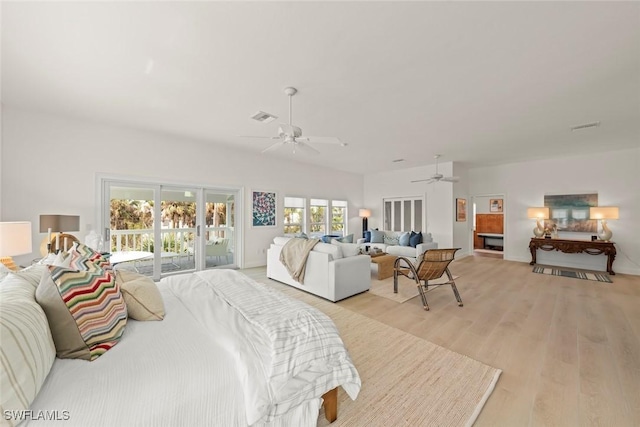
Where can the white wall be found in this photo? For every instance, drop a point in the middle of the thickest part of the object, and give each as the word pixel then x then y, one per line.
pixel 615 176
pixel 49 165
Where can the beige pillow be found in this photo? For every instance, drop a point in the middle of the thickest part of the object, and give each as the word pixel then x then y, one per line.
pixel 141 295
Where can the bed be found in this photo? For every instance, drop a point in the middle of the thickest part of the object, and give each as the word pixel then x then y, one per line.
pixel 229 351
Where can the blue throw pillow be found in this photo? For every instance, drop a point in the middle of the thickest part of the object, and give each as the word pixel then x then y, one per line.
pixel 403 240
pixel 415 239
pixel 367 236
pixel 377 236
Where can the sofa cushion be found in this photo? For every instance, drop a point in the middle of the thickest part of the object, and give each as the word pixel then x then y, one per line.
pixel 281 240
pixel 405 251
pixel 346 239
pixel 27 347
pixel 403 240
pixel 390 240
pixel 348 249
pixel 377 236
pixel 85 309
pixel 427 238
pixel 327 248
pixel 415 239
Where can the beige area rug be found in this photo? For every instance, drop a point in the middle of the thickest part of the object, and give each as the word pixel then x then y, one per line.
pixel 407 288
pixel 406 381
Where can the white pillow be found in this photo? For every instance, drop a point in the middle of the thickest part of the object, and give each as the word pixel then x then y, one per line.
pixel 348 249
pixel 333 250
pixel 27 346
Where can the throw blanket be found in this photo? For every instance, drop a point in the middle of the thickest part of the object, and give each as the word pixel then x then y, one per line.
pixel 294 256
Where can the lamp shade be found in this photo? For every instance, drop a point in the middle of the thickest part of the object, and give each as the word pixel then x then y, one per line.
pixel 603 212
pixel 59 223
pixel 364 213
pixel 15 238
pixel 538 213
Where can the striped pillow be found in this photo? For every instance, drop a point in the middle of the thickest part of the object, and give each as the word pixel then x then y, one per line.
pixel 86 311
pixel 84 258
pixel 27 352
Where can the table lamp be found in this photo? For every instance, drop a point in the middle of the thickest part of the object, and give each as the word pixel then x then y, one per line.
pixel 603 213
pixel 15 239
pixel 56 224
pixel 538 213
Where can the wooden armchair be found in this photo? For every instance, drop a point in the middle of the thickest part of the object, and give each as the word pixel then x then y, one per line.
pixel 433 265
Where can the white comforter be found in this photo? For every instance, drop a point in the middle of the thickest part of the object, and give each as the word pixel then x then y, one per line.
pixel 230 352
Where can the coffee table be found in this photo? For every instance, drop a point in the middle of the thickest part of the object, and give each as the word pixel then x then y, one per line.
pixel 385 265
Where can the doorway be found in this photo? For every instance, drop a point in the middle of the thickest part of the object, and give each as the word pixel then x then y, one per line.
pixel 488 225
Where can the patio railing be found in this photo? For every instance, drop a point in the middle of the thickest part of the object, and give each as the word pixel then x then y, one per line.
pixel 177 240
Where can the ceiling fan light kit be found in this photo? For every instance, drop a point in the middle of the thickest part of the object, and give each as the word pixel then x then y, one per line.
pixel 290 134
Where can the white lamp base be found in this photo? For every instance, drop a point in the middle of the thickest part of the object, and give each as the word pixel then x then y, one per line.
pixel 605 234
pixel 539 230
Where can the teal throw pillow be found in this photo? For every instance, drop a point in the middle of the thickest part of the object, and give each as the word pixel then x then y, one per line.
pixel 346 239
pixel 377 236
pixel 403 240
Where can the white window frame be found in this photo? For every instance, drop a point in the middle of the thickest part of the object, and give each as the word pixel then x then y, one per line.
pixel 325 221
pixel 417 221
pixel 294 203
pixel 344 205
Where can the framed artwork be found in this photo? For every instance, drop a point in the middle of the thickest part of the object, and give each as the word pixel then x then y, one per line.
pixel 461 210
pixel 263 208
pixel 495 205
pixel 570 212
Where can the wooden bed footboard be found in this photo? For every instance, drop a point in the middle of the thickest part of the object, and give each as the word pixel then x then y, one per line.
pixel 331 405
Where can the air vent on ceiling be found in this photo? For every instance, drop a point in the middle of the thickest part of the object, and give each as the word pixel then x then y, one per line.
pixel 263 117
pixel 586 126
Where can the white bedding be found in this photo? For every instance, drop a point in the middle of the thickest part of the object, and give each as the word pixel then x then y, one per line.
pixel 207 363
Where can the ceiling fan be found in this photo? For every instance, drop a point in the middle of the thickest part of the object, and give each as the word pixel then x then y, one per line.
pixel 290 134
pixel 437 177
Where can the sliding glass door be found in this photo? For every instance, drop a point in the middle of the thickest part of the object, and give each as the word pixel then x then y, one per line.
pixel 162 229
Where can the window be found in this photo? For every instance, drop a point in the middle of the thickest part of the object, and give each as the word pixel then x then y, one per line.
pixel 318 210
pixel 338 217
pixel 294 215
pixel 403 214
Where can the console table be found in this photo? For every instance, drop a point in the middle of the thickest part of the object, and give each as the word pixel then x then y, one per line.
pixel 595 247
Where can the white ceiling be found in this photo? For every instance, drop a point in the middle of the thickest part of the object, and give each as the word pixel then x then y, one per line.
pixel 481 83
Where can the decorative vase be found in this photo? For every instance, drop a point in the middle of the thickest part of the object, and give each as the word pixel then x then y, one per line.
pixel 539 230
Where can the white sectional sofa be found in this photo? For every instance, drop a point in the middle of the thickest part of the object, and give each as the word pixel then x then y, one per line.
pixel 329 274
pixel 397 249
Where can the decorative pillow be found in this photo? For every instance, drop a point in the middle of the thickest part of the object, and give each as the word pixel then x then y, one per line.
pixel 4 271
pixel 377 236
pixel 346 239
pixel 415 239
pixel 85 309
pixel 403 240
pixel 84 258
pixel 348 249
pixel 302 236
pixel 141 295
pixel 427 238
pixel 367 236
pixel 31 274
pixel 389 240
pixel 27 347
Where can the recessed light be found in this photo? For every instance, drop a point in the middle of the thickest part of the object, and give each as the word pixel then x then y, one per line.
pixel 586 126
pixel 397 160
pixel 263 117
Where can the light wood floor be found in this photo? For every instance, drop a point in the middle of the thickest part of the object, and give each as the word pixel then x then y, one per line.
pixel 569 349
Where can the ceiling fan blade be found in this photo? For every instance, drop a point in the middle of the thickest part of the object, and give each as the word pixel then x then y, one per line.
pixel 451 178
pixel 260 137
pixel 428 180
pixel 304 147
pixel 322 140
pixel 273 146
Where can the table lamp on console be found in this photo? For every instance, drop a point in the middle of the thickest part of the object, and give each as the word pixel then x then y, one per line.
pixel 538 213
pixel 15 239
pixel 56 226
pixel 603 213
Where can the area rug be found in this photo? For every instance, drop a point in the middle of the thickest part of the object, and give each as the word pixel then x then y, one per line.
pixel 407 288
pixel 406 381
pixel 585 275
